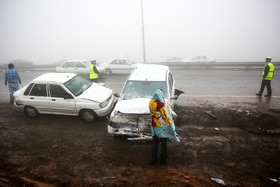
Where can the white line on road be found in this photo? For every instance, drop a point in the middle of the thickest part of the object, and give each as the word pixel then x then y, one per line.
pixel 229 96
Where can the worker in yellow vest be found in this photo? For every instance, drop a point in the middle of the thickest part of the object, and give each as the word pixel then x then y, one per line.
pixel 267 76
pixel 93 72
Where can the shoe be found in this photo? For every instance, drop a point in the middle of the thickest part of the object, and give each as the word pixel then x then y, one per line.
pixel 267 95
pixel 258 95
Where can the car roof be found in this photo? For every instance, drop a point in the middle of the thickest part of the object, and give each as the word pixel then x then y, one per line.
pixel 54 77
pixel 75 61
pixel 149 72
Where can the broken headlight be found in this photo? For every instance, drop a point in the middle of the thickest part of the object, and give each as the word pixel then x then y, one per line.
pixel 103 104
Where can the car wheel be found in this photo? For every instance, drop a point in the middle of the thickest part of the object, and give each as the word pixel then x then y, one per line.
pixel 88 115
pixel 30 111
pixel 108 71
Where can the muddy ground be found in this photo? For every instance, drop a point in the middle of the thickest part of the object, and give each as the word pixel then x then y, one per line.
pixel 241 147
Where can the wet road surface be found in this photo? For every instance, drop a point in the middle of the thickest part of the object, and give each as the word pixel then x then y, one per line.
pixel 215 86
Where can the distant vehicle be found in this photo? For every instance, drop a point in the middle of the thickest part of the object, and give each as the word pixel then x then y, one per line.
pixel 174 59
pixel 201 58
pixel 131 115
pixel 80 67
pixel 65 94
pixel 118 65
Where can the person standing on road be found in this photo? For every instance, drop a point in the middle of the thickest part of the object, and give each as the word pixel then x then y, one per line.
pixel 12 78
pixel 162 126
pixel 93 72
pixel 267 76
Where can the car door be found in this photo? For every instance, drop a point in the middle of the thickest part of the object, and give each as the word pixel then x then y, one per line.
pixel 81 68
pixel 171 88
pixel 61 102
pixel 125 66
pixel 38 98
pixel 115 66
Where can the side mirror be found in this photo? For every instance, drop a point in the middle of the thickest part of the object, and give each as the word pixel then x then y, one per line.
pixel 175 97
pixel 116 94
pixel 178 92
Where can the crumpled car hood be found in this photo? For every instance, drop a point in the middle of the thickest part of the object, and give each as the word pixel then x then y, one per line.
pixel 133 106
pixel 96 93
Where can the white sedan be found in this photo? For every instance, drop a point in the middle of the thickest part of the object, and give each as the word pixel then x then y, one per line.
pixel 118 65
pixel 80 67
pixel 65 94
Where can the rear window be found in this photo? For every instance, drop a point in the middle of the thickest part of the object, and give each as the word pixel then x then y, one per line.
pixel 142 89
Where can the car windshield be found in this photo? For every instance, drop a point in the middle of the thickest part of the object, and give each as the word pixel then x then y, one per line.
pixel 142 89
pixel 77 85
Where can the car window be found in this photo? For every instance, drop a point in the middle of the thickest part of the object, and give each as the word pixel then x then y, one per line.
pixel 123 62
pixel 77 85
pixel 57 91
pixel 115 62
pixel 28 89
pixel 142 89
pixel 39 90
pixel 68 65
pixel 79 65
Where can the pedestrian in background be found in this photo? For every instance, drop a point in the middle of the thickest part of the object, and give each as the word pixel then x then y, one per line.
pixel 93 72
pixel 162 126
pixel 12 78
pixel 267 76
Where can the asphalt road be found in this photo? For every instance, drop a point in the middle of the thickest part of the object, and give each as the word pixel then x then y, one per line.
pixel 217 85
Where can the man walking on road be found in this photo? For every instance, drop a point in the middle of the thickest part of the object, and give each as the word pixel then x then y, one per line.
pixel 267 76
pixel 12 78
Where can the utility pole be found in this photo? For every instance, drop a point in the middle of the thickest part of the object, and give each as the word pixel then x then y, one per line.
pixel 143 33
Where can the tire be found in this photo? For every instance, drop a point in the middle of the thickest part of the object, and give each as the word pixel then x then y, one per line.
pixel 108 71
pixel 88 115
pixel 30 111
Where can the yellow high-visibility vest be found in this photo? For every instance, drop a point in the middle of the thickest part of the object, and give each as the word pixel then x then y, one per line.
pixel 271 71
pixel 92 74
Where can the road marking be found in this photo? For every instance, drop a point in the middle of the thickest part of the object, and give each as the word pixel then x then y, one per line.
pixel 229 96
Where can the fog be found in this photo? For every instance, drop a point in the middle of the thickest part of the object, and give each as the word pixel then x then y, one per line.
pixel 50 31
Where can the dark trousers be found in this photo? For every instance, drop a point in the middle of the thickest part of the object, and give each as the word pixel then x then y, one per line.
pixel 163 150
pixel 267 84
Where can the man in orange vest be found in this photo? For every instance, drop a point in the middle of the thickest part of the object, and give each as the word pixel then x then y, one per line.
pixel 267 76
pixel 93 72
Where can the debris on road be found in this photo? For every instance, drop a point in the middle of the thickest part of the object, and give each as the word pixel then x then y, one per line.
pixel 212 115
pixel 218 181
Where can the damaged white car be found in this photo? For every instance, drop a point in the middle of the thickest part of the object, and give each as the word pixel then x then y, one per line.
pixel 65 94
pixel 131 115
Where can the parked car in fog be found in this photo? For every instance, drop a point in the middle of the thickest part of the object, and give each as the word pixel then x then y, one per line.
pixel 131 115
pixel 65 94
pixel 201 58
pixel 80 67
pixel 118 65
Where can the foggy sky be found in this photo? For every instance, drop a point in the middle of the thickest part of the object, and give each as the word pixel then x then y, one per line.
pixel 48 31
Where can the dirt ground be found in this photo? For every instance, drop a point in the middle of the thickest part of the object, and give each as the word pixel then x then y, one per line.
pixel 241 146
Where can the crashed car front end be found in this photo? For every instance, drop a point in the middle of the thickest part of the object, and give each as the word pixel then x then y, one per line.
pixel 131 125
pixel 131 118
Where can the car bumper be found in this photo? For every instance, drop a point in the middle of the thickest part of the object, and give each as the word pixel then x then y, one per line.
pixel 129 129
pixel 106 110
